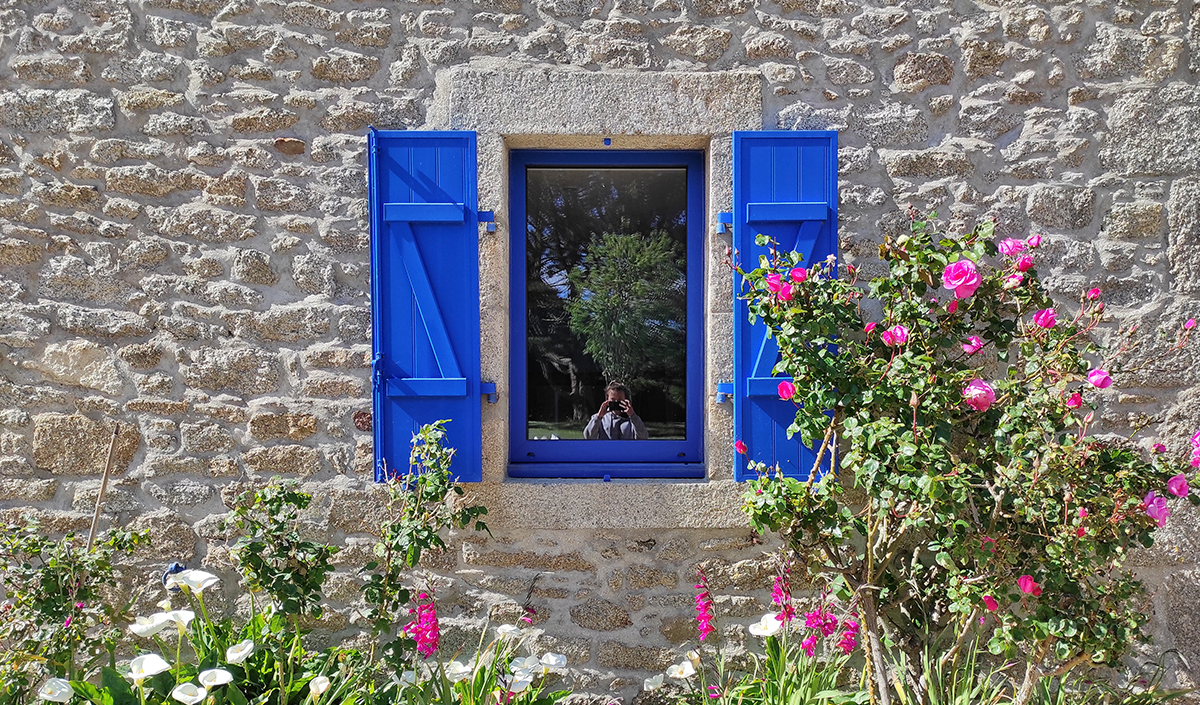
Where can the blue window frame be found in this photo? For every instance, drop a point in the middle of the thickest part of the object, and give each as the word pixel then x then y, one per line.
pixel 677 451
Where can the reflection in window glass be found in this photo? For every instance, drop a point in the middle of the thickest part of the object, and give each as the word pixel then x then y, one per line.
pixel 606 290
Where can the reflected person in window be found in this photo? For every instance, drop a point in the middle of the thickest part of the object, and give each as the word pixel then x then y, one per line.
pixel 616 420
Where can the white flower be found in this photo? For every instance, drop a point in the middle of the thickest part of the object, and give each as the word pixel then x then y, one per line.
pixel 457 671
pixel 520 682
pixel 652 684
pixel 318 685
pixel 693 656
pixel 239 652
pixel 146 666
pixel 769 625
pixel 181 618
pixel 195 580
pixel 214 677
pixel 406 678
pixel 56 690
pixel 189 693
pixel 681 670
pixel 149 626
pixel 509 630
pixel 164 605
pixel 552 660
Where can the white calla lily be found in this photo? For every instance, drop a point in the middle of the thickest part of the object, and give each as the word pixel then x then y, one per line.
pixel 407 678
pixel 520 683
pixel 681 670
pixel 181 618
pixel 693 657
pixel 318 686
pixel 525 663
pixel 147 666
pixel 56 690
pixel 189 693
pixel 653 683
pixel 458 671
pixel 509 631
pixel 239 652
pixel 553 660
pixel 769 625
pixel 149 626
pixel 214 677
pixel 196 581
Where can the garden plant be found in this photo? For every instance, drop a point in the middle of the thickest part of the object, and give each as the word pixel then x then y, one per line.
pixel 973 500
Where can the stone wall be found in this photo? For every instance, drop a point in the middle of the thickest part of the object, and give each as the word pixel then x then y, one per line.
pixel 183 248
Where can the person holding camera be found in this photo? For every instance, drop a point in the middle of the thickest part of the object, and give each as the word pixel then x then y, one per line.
pixel 616 420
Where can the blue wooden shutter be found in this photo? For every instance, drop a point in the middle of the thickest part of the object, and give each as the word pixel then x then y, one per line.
pixel 784 186
pixel 425 294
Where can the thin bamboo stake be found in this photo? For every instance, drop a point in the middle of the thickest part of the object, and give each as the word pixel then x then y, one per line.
pixel 103 486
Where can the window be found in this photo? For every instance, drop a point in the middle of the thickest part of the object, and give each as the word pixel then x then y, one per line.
pixel 607 282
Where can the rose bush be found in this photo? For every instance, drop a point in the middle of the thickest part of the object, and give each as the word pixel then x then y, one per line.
pixel 973 499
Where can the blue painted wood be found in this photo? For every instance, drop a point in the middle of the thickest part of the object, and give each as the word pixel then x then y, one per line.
pixel 562 458
pixel 424 212
pixel 786 212
pixel 425 294
pixel 784 186
pixel 427 387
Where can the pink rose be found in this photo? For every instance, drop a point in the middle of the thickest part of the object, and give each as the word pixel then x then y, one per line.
pixel 774 281
pixel 786 390
pixel 799 274
pixel 1012 281
pixel 1080 532
pixel 973 345
pixel 1099 379
pixel 962 277
pixel 1191 323
pixel 785 292
pixel 1046 318
pixel 1178 485
pixel 870 327
pixel 1157 509
pixel 1028 586
pixel 1034 241
pixel 979 394
pixel 952 307
pixel 1025 263
pixel 990 603
pixel 740 446
pixel 1160 448
pixel 1083 512
pixel 1011 247
pixel 1075 401
pixel 896 335
pixel 1093 294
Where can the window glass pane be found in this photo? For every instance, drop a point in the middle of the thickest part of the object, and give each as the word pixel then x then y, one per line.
pixel 606 291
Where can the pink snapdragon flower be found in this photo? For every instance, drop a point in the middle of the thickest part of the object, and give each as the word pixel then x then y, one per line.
pixel 799 274
pixel 1028 586
pixel 979 394
pixel 1156 508
pixel 1100 379
pixel 1010 247
pixel 787 390
pixel 897 335
pixel 781 595
pixel 704 607
pixel 973 345
pixel 424 627
pixel 962 277
pixel 849 636
pixel 1046 318
pixel 809 645
pixel 1178 485
pixel 1025 263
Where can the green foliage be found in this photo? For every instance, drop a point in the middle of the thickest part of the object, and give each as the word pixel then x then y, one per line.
pixel 939 505
pixel 271 554
pixel 631 303
pixel 423 505
pixel 57 621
